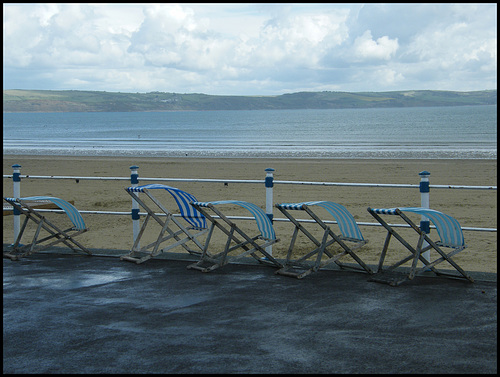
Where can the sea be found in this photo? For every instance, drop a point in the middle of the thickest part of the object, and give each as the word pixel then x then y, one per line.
pixel 454 132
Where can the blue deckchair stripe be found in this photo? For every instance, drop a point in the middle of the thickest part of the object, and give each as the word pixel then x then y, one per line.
pixel 73 214
pixel 448 228
pixel 182 198
pixel 385 211
pixel 263 223
pixel 291 206
pixel 345 220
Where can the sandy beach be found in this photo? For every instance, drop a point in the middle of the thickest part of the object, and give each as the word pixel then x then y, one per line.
pixel 472 208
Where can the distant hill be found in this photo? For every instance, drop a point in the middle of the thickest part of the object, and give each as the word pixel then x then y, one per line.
pixel 91 101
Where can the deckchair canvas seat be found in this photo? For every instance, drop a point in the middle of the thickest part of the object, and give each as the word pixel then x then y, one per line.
pixel 29 207
pixel 240 248
pixel 349 239
pixel 171 230
pixel 450 236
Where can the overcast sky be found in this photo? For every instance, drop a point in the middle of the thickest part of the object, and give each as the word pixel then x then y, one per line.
pixel 250 49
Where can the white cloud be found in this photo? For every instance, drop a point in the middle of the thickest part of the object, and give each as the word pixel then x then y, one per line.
pixel 365 48
pixel 388 77
pixel 300 39
pixel 250 48
pixel 171 36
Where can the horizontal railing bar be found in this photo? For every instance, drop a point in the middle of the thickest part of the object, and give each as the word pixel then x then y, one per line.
pixel 400 185
pixel 71 177
pixel 212 180
pixel 251 218
pixel 259 181
pixel 463 187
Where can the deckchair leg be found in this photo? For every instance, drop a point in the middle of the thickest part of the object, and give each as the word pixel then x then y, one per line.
pixel 210 263
pixel 416 254
pixel 389 275
pixel 17 243
pixel 321 250
pixel 155 245
pixel 77 243
pixel 33 243
pixel 384 251
pixel 132 255
pixel 322 247
pixel 338 239
pixel 137 241
pixel 19 236
pixel 292 244
pixel 154 252
pixel 290 267
pixel 447 257
pixel 249 245
pixel 296 268
pixel 207 241
pixel 206 262
pixel 55 234
pixel 416 257
pixel 171 229
pixel 37 243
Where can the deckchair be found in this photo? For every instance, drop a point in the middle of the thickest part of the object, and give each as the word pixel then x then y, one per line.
pixel 255 246
pixel 170 228
pixel 349 240
pixel 47 233
pixel 449 232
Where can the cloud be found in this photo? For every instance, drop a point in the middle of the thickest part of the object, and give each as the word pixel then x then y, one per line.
pixel 250 48
pixel 365 48
pixel 171 36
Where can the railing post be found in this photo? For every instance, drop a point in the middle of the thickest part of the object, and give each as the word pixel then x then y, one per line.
pixel 134 181
pixel 424 203
pixel 16 179
pixel 269 183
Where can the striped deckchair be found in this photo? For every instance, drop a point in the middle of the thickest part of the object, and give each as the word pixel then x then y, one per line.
pixel 349 240
pixel 47 233
pixel 169 228
pixel 449 232
pixel 249 245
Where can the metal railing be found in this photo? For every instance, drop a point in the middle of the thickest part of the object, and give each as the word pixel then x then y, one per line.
pixel 269 183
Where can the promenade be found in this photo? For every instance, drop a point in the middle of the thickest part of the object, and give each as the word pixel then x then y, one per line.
pixel 78 314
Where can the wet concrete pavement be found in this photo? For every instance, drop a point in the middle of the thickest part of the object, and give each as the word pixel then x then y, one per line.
pixel 78 314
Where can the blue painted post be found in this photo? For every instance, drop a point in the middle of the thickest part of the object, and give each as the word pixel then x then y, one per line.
pixel 269 183
pixel 134 181
pixel 16 179
pixel 424 203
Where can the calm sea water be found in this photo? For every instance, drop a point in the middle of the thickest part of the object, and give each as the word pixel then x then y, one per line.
pixel 468 132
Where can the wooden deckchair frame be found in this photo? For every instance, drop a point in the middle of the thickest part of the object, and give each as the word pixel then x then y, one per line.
pixel 387 275
pixel 169 224
pixel 248 246
pixel 28 207
pixel 298 267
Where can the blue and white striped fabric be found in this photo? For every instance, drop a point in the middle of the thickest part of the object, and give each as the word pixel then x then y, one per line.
pixel 73 214
pixel 345 220
pixel 264 224
pixel 448 228
pixel 182 198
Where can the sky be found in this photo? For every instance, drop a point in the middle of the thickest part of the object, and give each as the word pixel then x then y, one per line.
pixel 249 48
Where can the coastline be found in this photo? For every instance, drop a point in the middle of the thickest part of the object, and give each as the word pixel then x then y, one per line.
pixel 472 208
